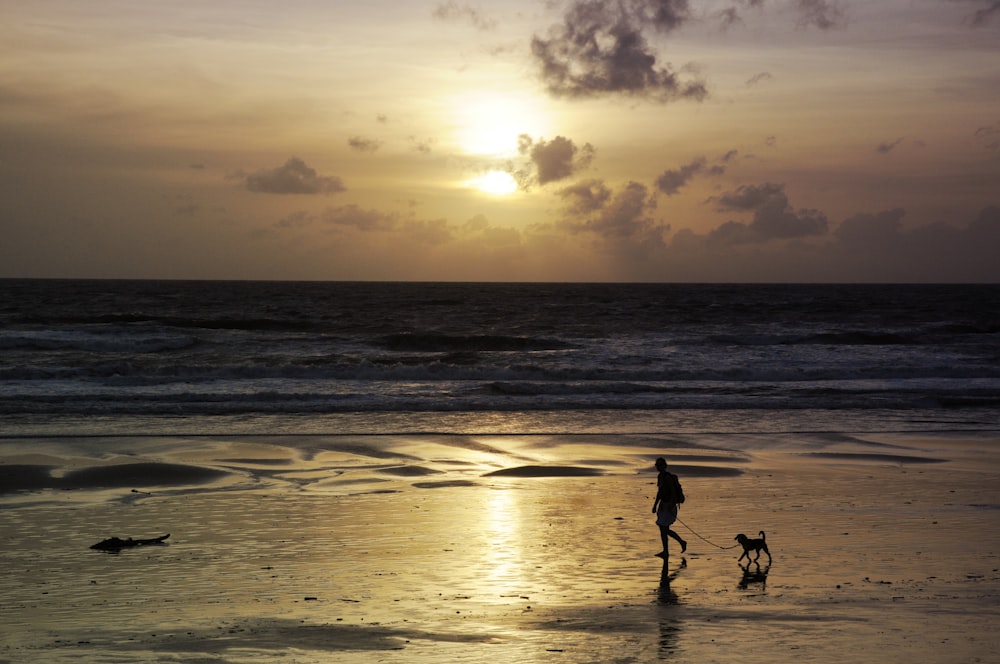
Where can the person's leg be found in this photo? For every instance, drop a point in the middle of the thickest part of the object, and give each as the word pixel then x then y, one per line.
pixel 665 540
pixel 671 533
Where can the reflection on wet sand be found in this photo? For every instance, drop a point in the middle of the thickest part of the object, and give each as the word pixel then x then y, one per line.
pixel 754 575
pixel 670 622
pixel 502 522
pixel 335 553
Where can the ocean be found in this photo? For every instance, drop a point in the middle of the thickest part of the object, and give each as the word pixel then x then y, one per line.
pixel 94 357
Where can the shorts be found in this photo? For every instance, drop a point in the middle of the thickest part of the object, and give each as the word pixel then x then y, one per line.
pixel 666 515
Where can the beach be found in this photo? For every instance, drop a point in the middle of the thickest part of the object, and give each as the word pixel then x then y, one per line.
pixel 535 548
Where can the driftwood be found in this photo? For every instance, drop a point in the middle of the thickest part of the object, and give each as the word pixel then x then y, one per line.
pixel 117 543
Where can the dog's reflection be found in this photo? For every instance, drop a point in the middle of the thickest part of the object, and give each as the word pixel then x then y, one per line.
pixel 753 575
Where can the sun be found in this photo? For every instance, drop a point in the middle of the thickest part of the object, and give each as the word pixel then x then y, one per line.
pixel 495 183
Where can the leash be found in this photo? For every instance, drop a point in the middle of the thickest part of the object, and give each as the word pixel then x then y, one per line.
pixel 701 537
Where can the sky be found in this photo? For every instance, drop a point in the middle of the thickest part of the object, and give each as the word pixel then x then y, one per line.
pixel 530 140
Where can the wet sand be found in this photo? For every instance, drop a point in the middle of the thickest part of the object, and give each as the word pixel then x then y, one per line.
pixel 505 548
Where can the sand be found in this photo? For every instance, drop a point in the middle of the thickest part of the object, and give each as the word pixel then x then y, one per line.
pixel 416 549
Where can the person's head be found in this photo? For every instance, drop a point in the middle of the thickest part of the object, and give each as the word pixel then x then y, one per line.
pixel 661 463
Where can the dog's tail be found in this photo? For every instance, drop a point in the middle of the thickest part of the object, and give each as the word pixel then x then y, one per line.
pixel 762 536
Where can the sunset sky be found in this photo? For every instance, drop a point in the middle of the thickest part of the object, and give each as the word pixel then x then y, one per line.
pixel 529 140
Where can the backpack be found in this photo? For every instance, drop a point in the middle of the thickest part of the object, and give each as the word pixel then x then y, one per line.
pixel 678 491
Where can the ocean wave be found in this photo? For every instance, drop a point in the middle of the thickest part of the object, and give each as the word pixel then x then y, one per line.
pixel 446 343
pixel 116 341
pixel 287 397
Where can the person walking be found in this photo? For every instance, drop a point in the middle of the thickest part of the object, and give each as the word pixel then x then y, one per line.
pixel 669 496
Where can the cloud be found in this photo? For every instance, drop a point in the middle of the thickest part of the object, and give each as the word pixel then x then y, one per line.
pixel 585 197
pixel 298 219
pixel 757 78
pixel 423 146
pixel 554 160
pixel 671 181
pixel 773 216
pixel 601 49
pixel 877 247
pixel 822 14
pixel 429 232
pixel 363 144
pixel 454 11
pixel 990 136
pixel 293 177
pixel 983 16
pixel 353 216
pixel 625 215
pixel 886 147
pixel 730 16
pixel 871 231
pixel 476 223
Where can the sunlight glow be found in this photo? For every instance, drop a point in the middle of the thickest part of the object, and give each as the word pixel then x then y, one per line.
pixel 495 183
pixel 489 123
pixel 503 531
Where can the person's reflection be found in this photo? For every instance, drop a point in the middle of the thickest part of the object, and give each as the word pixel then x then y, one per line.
pixel 670 624
pixel 665 595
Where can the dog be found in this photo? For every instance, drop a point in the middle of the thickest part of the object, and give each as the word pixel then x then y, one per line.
pixel 753 545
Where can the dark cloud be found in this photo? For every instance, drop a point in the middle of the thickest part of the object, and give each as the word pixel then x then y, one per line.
pixel 990 136
pixel 886 147
pixel 730 16
pixel 422 231
pixel 983 16
pixel 671 181
pixel 601 48
pixel 363 144
pixel 986 226
pixel 773 216
pixel 293 177
pixel 876 247
pixel 554 160
pixel 877 231
pixel 757 78
pixel 625 215
pixel 428 232
pixel 455 11
pixel 298 219
pixel 585 197
pixel 822 14
pixel 356 217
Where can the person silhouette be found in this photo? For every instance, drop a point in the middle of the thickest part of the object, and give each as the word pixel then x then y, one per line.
pixel 666 505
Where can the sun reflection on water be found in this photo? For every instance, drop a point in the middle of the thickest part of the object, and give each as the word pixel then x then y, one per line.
pixel 504 565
